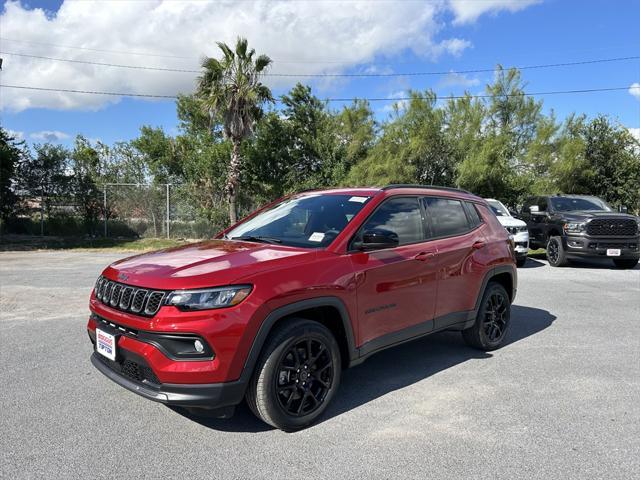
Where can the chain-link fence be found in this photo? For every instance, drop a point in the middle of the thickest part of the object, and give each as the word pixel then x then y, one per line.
pixel 125 210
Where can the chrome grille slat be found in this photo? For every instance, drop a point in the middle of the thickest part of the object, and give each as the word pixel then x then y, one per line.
pixel 140 301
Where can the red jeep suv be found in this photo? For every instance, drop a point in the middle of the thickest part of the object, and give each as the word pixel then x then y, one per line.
pixel 274 307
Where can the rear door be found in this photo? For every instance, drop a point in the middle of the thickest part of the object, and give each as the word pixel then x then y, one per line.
pixel 458 241
pixel 396 287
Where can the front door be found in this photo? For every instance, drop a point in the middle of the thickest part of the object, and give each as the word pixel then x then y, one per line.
pixel 396 292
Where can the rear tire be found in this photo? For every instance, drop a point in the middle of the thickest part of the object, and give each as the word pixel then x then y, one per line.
pixel 625 263
pixel 556 255
pixel 491 327
pixel 297 375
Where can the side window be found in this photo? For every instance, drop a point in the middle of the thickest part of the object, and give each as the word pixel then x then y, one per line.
pixel 447 216
pixel 474 216
pixel 401 215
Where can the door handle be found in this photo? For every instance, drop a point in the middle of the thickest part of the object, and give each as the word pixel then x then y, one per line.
pixel 424 256
pixel 478 245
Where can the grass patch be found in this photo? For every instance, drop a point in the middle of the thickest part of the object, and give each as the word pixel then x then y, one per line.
pixel 28 242
pixel 538 253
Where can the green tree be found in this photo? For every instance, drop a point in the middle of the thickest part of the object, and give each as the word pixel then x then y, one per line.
pixel 43 177
pixel 12 153
pixel 231 89
pixel 85 167
pixel 414 148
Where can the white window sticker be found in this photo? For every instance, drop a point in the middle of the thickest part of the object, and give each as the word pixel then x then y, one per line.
pixel 358 199
pixel 316 237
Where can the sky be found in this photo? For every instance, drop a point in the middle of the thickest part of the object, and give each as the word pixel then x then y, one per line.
pixel 305 37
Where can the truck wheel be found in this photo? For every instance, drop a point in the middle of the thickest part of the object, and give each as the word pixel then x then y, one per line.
pixel 520 261
pixel 492 323
pixel 556 255
pixel 625 263
pixel 296 376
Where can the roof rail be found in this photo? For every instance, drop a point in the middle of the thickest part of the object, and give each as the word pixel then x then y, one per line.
pixel 431 187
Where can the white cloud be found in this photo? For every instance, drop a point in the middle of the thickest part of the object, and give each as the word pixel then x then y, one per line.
pixel 634 89
pixel 468 11
pixel 49 136
pixel 18 136
pixel 297 35
pixel 635 133
pixel 458 80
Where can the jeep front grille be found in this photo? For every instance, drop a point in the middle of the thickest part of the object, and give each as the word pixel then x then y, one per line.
pixel 611 227
pixel 123 297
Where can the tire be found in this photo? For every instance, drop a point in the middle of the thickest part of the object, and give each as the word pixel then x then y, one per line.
pixel 625 263
pixel 521 261
pixel 289 389
pixel 556 255
pixel 484 334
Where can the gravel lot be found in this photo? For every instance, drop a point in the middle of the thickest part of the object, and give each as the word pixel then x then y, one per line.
pixel 562 400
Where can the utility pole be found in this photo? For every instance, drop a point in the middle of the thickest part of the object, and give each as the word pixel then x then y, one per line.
pixel 104 209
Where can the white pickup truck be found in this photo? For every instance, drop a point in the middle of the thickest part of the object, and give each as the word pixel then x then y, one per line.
pixel 517 228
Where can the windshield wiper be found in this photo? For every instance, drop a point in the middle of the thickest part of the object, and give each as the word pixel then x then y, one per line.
pixel 257 238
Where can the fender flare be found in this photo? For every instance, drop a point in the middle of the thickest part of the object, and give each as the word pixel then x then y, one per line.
pixel 487 278
pixel 279 313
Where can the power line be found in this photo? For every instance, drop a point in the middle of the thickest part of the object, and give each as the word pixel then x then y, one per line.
pixel 146 95
pixel 277 61
pixel 325 75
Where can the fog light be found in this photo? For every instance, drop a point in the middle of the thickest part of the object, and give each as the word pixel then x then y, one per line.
pixel 198 346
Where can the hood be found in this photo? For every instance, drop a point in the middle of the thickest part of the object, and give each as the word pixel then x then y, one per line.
pixel 510 222
pixel 579 215
pixel 204 264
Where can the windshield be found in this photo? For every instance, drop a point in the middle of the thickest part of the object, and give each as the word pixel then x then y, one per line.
pixel 306 221
pixel 570 204
pixel 498 208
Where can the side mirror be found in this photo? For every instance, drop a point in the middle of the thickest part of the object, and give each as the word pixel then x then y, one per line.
pixel 534 209
pixel 378 238
pixel 623 209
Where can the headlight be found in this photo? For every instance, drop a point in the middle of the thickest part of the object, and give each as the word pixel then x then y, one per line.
pixel 208 298
pixel 522 229
pixel 575 227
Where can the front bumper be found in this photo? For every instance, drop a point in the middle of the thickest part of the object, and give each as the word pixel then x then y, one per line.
pixel 213 395
pixel 586 246
pixel 521 243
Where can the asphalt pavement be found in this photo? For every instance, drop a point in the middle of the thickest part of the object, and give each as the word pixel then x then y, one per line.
pixel 561 400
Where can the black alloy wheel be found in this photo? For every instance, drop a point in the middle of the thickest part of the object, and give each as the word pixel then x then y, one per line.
pixel 552 251
pixel 296 376
pixel 305 376
pixel 496 317
pixel 491 327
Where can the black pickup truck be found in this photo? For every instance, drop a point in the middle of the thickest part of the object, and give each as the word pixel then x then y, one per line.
pixel 571 226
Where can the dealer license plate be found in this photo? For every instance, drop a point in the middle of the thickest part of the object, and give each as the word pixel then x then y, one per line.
pixel 106 344
pixel 613 252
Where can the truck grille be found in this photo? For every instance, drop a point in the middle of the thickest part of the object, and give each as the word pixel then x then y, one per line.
pixel 612 227
pixel 123 297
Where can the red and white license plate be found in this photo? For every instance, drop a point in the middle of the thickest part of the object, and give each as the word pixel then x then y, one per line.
pixel 613 252
pixel 106 344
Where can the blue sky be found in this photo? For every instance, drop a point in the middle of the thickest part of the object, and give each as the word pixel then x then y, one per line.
pixel 382 36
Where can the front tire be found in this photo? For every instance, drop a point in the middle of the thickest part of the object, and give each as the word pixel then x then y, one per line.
pixel 521 261
pixel 556 255
pixel 625 263
pixel 296 376
pixel 492 323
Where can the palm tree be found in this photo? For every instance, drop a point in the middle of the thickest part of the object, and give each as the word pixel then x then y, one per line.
pixel 230 89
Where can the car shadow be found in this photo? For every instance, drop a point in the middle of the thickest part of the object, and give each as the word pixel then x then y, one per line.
pixel 394 369
pixel 532 263
pixel 602 263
